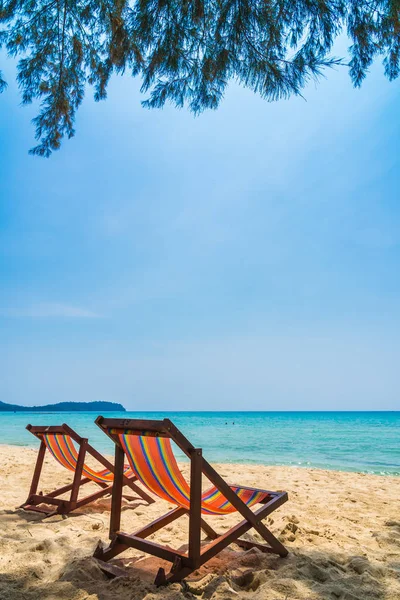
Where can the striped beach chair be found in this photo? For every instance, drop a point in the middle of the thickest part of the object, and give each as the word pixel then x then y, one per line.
pixel 60 442
pixel 147 446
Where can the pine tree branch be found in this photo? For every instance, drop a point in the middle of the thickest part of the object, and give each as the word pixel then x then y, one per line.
pixel 186 52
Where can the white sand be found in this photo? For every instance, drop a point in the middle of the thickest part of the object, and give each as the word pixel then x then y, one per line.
pixel 342 531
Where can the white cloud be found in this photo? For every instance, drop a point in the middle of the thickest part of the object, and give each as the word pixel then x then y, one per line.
pixel 50 309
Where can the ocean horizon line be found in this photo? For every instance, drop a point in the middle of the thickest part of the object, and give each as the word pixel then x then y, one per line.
pixel 169 411
pixel 360 441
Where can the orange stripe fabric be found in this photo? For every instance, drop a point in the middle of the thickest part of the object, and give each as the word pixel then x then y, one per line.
pixel 62 448
pixel 154 463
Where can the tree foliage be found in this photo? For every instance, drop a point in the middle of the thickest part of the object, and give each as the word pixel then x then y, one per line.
pixel 185 51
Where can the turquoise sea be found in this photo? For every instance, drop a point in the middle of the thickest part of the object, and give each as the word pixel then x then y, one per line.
pixel 348 441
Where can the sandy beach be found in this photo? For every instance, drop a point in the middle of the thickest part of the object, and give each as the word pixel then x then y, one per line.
pixel 342 531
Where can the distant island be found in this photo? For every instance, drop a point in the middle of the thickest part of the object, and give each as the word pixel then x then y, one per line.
pixel 65 407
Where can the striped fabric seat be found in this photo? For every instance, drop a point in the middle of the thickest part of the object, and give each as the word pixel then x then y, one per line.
pixel 154 464
pixel 63 449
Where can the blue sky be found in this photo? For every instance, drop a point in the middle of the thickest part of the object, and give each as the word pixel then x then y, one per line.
pixel 248 258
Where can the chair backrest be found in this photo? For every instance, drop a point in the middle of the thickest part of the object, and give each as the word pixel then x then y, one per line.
pixel 147 445
pixel 60 443
pixel 62 448
pixel 155 465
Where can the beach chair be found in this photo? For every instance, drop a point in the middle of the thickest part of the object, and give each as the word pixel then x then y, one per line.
pixel 59 441
pixel 147 446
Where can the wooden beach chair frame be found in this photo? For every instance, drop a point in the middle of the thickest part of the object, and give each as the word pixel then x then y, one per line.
pixel 64 506
pixel 183 563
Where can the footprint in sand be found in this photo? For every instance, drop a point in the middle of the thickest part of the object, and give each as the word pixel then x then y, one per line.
pixel 248 579
pixel 290 530
pixel 394 524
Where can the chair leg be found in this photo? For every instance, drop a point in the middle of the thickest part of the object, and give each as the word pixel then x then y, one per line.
pixel 276 546
pixel 118 484
pixel 113 549
pixel 78 473
pixel 36 473
pixel 195 507
pixel 247 545
pixel 179 571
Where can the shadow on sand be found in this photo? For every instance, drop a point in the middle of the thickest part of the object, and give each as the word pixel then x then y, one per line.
pixel 234 574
